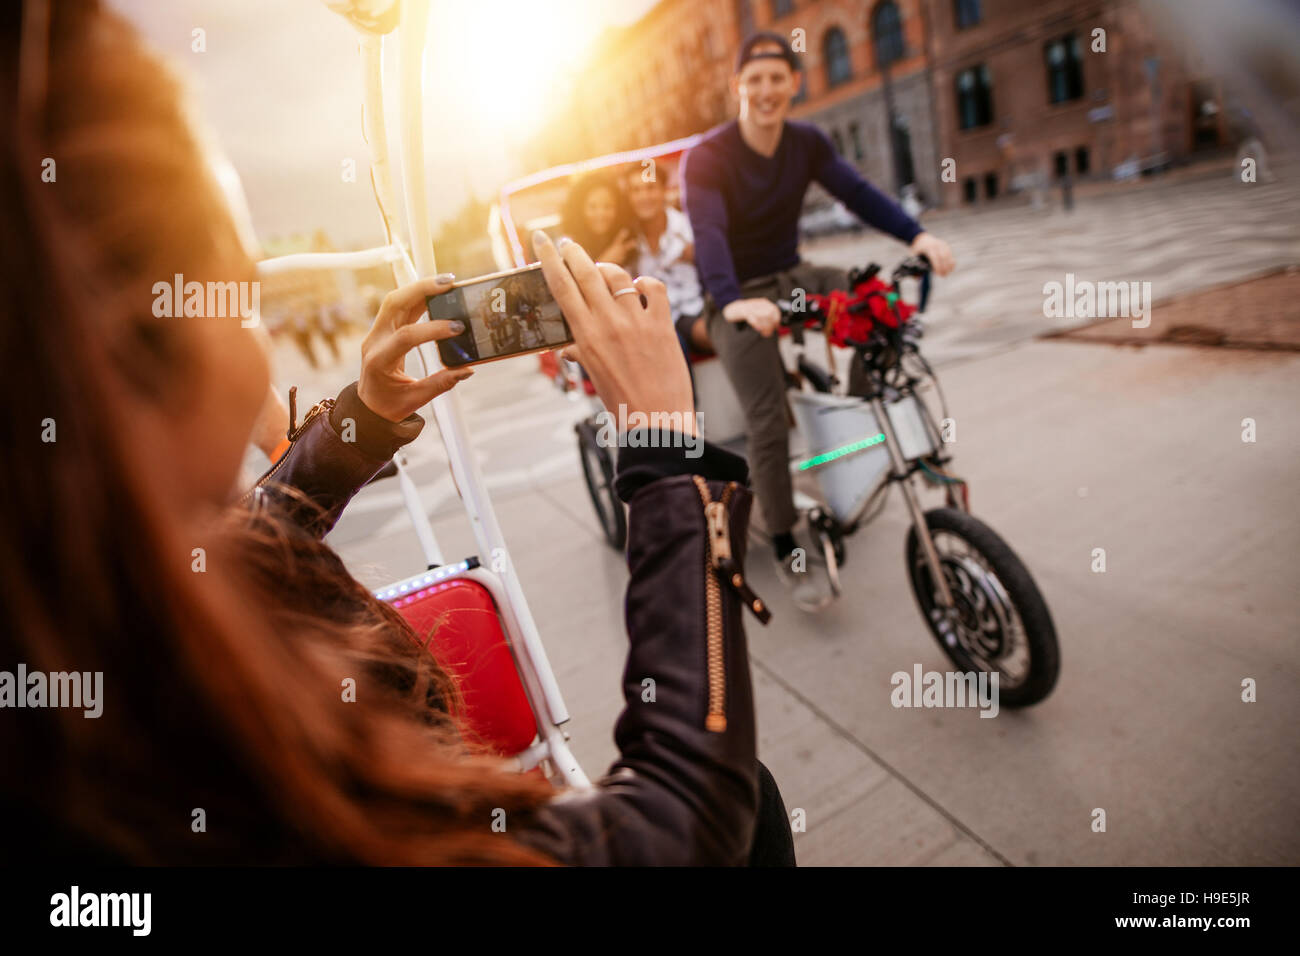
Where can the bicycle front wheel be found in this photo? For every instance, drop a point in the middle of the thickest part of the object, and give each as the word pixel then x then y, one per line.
pixel 1000 622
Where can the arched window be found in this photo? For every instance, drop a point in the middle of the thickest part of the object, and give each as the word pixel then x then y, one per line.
pixel 887 32
pixel 966 13
pixel 781 7
pixel 835 54
pixel 1064 69
pixel 974 97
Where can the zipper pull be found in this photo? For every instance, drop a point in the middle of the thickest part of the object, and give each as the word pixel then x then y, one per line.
pixel 715 512
pixel 324 405
pixel 731 574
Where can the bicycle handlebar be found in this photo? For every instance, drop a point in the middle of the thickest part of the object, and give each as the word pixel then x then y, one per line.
pixel 915 267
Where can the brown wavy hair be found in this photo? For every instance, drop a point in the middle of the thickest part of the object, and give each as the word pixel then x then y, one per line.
pixel 573 217
pixel 221 690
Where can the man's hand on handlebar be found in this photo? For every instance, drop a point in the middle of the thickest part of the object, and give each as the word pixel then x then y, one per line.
pixel 762 314
pixel 936 250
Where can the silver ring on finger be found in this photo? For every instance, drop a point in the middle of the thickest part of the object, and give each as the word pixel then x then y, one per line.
pixel 630 290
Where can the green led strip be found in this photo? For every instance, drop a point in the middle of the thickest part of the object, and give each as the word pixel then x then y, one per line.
pixel 840 452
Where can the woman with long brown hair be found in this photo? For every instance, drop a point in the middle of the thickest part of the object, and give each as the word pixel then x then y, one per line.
pixel 597 217
pixel 223 630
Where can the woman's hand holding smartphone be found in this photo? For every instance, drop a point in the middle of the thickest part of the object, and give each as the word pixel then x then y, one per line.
pixel 384 386
pixel 628 348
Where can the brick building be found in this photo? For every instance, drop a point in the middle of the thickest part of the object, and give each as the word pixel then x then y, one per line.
pixel 1011 90
pixel 660 79
pixel 866 83
pixel 1028 90
pixel 667 75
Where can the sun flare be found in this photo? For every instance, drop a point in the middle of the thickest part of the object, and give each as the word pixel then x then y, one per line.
pixel 501 64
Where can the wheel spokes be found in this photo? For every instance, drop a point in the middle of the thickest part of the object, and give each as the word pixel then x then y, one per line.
pixel 987 624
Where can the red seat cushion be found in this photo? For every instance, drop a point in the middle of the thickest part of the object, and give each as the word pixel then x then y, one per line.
pixel 457 621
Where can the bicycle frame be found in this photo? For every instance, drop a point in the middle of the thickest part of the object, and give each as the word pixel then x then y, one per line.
pixel 410 263
pixel 900 469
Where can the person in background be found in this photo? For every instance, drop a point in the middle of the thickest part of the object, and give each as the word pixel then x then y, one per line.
pixel 300 328
pixel 597 217
pixel 328 325
pixel 744 184
pixel 665 249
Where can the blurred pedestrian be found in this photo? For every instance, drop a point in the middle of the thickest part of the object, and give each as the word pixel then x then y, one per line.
pixel 300 329
pixel 327 324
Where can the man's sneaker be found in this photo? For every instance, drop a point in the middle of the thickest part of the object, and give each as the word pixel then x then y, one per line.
pixel 809 588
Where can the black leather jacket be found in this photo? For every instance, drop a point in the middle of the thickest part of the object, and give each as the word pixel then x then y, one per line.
pixel 684 789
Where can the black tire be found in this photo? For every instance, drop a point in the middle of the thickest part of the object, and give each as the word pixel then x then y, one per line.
pixel 978 598
pixel 598 469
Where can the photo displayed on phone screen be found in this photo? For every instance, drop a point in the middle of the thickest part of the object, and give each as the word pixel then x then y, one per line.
pixel 504 315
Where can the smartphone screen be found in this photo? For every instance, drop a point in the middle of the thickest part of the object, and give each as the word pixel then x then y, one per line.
pixel 505 314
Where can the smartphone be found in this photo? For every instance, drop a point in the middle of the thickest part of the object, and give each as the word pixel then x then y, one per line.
pixel 505 314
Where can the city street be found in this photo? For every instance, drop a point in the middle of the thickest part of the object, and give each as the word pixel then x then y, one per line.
pixel 1068 447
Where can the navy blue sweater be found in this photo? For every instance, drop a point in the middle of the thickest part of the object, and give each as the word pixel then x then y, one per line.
pixel 744 207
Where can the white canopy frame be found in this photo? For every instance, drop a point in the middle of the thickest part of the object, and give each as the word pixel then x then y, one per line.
pixel 543 692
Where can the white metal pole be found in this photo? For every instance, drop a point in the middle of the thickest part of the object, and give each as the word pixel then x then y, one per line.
pixel 446 407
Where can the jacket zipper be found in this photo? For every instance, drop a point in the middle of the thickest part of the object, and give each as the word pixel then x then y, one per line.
pixel 719 567
pixel 253 495
pixel 324 405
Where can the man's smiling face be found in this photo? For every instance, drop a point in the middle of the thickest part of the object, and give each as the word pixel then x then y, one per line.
pixel 765 87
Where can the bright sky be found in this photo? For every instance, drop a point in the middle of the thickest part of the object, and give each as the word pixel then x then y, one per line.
pixel 280 85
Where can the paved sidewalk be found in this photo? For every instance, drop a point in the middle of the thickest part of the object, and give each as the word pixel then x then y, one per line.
pixel 1258 313
pixel 1196 230
pixel 1078 446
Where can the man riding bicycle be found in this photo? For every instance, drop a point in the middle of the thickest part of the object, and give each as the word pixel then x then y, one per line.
pixel 744 187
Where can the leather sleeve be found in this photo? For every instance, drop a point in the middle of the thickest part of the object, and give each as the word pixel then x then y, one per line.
pixel 679 794
pixel 332 455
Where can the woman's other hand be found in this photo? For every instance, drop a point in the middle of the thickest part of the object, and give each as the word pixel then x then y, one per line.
pixel 630 350
pixel 384 387
pixel 620 248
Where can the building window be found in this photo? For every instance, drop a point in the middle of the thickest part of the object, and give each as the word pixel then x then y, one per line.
pixel 1081 161
pixel 855 135
pixel 838 141
pixel 970 189
pixel 974 97
pixel 744 18
pixel 887 32
pixel 781 7
pixel 990 185
pixel 1062 163
pixel 965 13
pixel 1064 69
pixel 835 53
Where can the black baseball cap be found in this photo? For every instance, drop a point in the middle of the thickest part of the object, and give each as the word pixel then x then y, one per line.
pixel 770 39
